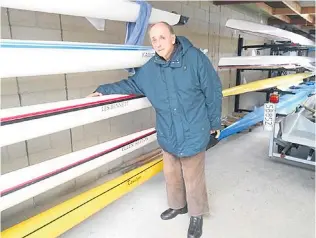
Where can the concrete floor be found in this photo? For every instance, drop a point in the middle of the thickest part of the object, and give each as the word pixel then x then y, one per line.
pixel 250 196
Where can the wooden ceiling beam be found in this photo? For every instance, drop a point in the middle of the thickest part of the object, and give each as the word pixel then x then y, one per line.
pixel 288 11
pixel 290 27
pixel 295 7
pixel 308 28
pixel 232 2
pixel 309 10
pixel 299 22
pixel 270 11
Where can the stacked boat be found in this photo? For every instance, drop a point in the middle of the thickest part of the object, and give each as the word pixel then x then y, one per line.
pixel 268 61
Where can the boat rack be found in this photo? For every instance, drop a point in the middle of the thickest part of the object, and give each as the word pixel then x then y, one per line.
pixel 293 136
pixel 275 49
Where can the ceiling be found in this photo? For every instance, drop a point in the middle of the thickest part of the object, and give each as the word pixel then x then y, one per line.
pixel 297 16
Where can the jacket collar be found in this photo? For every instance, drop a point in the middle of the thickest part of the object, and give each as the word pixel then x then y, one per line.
pixel 175 59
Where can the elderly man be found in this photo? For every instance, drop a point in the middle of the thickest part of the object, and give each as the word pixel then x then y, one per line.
pixel 186 93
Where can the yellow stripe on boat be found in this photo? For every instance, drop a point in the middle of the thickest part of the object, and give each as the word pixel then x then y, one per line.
pixel 70 213
pixel 288 80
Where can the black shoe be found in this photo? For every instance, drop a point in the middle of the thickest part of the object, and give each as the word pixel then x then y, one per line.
pixel 171 213
pixel 195 228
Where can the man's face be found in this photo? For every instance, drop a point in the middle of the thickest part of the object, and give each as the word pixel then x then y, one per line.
pixel 162 40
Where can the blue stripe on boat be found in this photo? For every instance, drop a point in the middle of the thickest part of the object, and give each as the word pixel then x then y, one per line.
pixel 88 46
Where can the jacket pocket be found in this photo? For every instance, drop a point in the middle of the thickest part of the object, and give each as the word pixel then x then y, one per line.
pixel 199 128
pixel 197 136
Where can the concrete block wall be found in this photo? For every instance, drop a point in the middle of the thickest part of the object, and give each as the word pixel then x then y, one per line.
pixel 206 29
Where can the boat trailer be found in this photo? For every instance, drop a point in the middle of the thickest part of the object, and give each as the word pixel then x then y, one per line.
pixel 293 135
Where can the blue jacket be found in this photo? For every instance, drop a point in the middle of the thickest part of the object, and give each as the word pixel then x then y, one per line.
pixel 186 94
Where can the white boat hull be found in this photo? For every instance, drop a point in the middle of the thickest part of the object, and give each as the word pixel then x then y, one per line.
pixel 24 123
pixel 33 58
pixel 23 184
pixel 116 10
pixel 269 32
pixel 266 62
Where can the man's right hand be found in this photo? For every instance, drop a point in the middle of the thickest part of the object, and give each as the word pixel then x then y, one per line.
pixel 96 94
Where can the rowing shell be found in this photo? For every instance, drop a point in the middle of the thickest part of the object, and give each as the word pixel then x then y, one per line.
pixel 270 32
pixel 267 62
pixel 24 123
pixel 281 81
pixel 57 220
pixel 33 58
pixel 286 105
pixel 118 10
pixel 22 184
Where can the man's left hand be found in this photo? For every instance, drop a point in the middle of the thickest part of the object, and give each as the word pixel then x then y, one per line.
pixel 216 132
